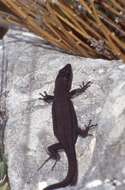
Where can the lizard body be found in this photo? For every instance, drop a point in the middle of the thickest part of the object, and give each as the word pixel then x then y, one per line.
pixel 65 125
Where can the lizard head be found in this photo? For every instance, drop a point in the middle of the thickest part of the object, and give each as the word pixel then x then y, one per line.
pixel 64 78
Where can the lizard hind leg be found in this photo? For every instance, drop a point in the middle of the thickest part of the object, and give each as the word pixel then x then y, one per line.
pixel 53 153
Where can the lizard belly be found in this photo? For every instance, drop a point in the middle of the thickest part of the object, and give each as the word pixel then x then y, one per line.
pixel 64 122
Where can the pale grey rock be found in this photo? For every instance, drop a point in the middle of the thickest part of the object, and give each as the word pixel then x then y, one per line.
pixel 101 158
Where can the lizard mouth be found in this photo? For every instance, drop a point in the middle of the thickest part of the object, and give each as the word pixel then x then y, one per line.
pixel 66 73
pixel 68 66
pixel 64 78
pixel 67 70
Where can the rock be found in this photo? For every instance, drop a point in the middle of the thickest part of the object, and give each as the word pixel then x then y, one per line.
pixel 101 158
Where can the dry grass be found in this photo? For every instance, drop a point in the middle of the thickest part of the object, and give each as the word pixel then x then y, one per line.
pixel 93 28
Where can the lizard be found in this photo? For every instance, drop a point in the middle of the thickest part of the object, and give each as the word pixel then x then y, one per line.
pixel 65 124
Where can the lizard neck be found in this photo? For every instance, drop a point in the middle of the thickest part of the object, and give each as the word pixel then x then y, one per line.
pixel 61 94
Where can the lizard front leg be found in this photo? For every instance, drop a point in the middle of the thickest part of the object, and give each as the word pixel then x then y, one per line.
pixel 45 97
pixel 85 132
pixel 80 90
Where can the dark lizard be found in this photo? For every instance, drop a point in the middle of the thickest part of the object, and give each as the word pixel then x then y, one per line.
pixel 65 124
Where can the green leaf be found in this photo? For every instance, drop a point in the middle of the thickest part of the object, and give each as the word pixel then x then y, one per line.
pixel 3 169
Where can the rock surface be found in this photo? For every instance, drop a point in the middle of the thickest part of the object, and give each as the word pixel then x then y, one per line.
pixel 101 158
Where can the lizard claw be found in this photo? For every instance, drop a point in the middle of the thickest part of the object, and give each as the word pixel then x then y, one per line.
pixel 85 86
pixel 44 96
pixel 57 159
pixel 44 163
pixel 90 125
pixel 54 156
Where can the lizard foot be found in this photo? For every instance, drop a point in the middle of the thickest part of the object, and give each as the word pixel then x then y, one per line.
pixel 44 163
pixel 45 97
pixel 89 127
pixel 55 156
pixel 85 132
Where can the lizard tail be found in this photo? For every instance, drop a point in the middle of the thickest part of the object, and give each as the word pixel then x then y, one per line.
pixel 71 178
